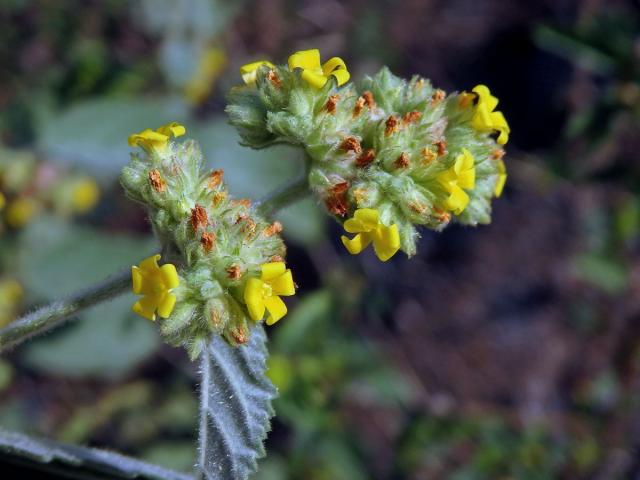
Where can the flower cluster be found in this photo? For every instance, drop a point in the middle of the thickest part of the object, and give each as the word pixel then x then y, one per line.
pixel 386 157
pixel 223 262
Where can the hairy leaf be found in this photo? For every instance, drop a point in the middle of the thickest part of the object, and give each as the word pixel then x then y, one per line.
pixel 77 462
pixel 235 407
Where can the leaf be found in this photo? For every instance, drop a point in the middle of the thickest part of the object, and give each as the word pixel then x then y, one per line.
pixel 78 462
pixel 235 407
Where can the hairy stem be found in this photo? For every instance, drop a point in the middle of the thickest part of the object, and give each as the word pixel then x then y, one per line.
pixel 283 197
pixel 56 313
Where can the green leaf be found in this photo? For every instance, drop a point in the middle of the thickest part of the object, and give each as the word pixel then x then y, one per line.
pixel 235 407
pixel 71 461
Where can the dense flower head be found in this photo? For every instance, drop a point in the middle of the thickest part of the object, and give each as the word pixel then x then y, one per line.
pixel 411 152
pixel 218 244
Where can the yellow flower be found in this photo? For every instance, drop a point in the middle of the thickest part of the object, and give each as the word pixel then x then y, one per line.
pixel 460 177
pixel 316 74
pixel 264 293
pixel 158 139
pixel 366 223
pixel 85 195
pixel 10 296
pixel 154 283
pixel 502 178
pixel 250 70
pixel 485 119
pixel 3 201
pixel 210 66
pixel 21 211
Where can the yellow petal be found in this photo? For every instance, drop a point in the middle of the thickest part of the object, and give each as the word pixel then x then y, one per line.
pixel 283 285
pixel 342 76
pixel 305 59
pixel 170 277
pixel 165 307
pixel 356 244
pixel 485 98
pixel 250 70
pixel 502 179
pixel 272 270
pixel 316 80
pixel 253 297
pixel 386 242
pixel 137 280
pixel 173 129
pixel 148 139
pixel 146 306
pixel 500 124
pixel 364 220
pixel 457 200
pixel 150 264
pixel 335 63
pixel 276 308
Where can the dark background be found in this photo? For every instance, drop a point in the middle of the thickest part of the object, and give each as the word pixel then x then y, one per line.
pixel 509 351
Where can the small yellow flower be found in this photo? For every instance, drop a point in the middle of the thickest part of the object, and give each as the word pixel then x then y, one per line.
pixel 250 70
pixel 154 283
pixel 11 293
pixel 460 177
pixel 264 293
pixel 316 74
pixel 21 211
pixel 3 201
pixel 85 195
pixel 366 223
pixel 156 140
pixel 485 119
pixel 502 178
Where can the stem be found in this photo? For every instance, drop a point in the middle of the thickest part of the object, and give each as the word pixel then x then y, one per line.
pixel 282 197
pixel 56 313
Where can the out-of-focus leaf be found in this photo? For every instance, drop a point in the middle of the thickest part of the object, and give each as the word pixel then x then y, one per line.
pixel 70 461
pixel 109 339
pixel 175 455
pixel 235 407
pixel 93 134
pixel 255 173
pixel 602 271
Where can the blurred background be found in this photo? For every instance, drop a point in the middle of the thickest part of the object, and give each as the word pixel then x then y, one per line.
pixel 509 351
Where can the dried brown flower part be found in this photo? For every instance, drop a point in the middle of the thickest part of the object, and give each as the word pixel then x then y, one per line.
pixel 239 335
pixel 417 207
pixel 497 154
pixel 157 183
pixel 199 218
pixel 402 161
pixel 391 125
pixel 441 215
pixel 234 272
pixel 215 178
pixel 466 99
pixel 273 229
pixel 359 195
pixel 273 77
pixel 441 147
pixel 336 202
pixel 244 202
pixel 218 197
pixel 419 84
pixel 368 99
pixel 276 258
pixel 411 117
pixel 332 103
pixel 249 228
pixel 351 144
pixel 357 109
pixel 427 156
pixel 365 158
pixel 208 241
pixel 437 97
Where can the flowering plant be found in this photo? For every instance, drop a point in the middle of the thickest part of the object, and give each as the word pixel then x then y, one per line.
pixel 383 159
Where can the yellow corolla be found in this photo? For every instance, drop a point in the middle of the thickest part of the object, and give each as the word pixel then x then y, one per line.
pixel 459 177
pixel 485 119
pixel 85 195
pixel 264 293
pixel 366 224
pixel 317 74
pixel 154 283
pixel 20 211
pixel 250 70
pixel 156 140
pixel 502 179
